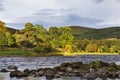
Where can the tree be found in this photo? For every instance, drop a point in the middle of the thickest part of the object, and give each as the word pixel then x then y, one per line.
pixel 3 40
pixel 10 39
pixel 62 37
pixel 3 26
pixel 3 30
pixel 91 48
pixel 113 49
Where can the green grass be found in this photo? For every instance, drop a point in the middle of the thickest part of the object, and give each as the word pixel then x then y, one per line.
pixel 13 52
pixel 28 53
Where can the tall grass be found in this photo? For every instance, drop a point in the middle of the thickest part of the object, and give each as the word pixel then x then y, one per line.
pixel 13 52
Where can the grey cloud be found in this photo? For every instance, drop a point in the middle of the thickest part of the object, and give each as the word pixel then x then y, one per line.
pixel 118 0
pixel 98 1
pixel 48 15
pixel 64 17
pixel 74 19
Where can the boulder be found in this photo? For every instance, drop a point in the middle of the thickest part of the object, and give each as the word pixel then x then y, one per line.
pixel 4 70
pixel 48 72
pixel 113 75
pixel 118 73
pixel 41 73
pixel 61 73
pixel 102 72
pixel 90 75
pixel 18 73
pixel 69 69
pixel 12 67
pixel 27 71
pixel 57 75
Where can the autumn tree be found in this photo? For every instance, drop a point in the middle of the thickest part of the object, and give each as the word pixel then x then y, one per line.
pixel 91 48
pixel 3 27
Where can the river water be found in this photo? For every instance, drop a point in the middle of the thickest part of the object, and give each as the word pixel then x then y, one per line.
pixel 42 62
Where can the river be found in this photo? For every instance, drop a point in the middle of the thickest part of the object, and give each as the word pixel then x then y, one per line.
pixel 42 62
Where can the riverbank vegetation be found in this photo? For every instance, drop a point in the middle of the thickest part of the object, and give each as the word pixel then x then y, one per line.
pixel 36 40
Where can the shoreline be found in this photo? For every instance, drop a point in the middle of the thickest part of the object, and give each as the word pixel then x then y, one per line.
pixel 66 55
pixel 87 53
pixel 19 53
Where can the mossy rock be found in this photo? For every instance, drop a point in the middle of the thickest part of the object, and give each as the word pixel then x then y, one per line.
pixel 98 64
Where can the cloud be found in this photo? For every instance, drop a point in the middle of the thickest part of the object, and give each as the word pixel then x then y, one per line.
pixel 1 5
pixel 59 17
pixel 98 1
pixel 48 15
pixel 94 13
pixel 77 20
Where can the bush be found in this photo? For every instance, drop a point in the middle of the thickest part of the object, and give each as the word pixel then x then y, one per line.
pixel 38 49
pixel 26 43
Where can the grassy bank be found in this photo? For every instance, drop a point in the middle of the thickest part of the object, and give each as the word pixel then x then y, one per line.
pixel 26 53
pixel 13 52
pixel 21 52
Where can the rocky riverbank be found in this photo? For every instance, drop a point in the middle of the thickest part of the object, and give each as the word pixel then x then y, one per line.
pixel 91 70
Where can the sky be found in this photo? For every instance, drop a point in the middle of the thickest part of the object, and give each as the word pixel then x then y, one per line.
pixel 89 13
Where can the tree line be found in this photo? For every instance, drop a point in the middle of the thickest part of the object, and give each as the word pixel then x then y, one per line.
pixel 36 37
pixel 55 39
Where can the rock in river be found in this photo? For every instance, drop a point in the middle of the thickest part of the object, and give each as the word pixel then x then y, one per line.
pixel 12 67
pixel 18 73
pixel 4 70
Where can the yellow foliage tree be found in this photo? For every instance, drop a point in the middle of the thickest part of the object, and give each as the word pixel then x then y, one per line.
pixel 3 26
pixel 68 48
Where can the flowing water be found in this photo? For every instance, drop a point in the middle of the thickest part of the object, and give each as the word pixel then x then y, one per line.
pixel 42 62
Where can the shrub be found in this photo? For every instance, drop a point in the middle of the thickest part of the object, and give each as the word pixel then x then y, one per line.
pixel 38 49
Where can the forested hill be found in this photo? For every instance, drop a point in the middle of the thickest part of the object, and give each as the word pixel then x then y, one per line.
pixel 11 30
pixel 92 33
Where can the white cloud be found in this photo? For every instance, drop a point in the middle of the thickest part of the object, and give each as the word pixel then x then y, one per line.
pixel 58 11
pixel 49 16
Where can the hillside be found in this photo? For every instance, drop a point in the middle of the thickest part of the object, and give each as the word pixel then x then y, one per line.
pixel 91 33
pixel 82 32
pixel 78 31
pixel 12 30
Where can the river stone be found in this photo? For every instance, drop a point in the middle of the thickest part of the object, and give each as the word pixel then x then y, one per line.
pixel 92 70
pixel 18 73
pixel 27 71
pixel 69 69
pixel 102 72
pixel 61 73
pixel 49 72
pixel 90 75
pixel 12 67
pixel 112 75
pixel 4 70
pixel 41 73
pixel 118 73
pixel 57 75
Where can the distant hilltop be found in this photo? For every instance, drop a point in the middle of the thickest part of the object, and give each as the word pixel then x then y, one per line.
pixel 82 32
pixel 92 33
